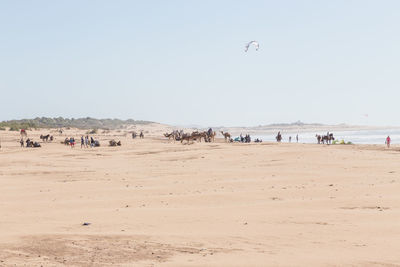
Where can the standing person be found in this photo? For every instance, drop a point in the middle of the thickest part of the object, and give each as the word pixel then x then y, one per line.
pixel 21 142
pixel 82 142
pixel 387 142
pixel 297 138
pixel 91 142
pixel 290 139
pixel 72 142
pixel 86 141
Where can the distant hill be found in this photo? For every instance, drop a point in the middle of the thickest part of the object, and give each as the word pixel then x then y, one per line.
pixel 81 123
pixel 297 123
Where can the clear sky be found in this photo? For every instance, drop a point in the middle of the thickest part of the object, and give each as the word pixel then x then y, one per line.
pixel 183 62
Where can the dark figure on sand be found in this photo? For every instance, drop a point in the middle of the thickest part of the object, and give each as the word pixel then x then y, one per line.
pixel 387 142
pixel 279 137
pixel 318 138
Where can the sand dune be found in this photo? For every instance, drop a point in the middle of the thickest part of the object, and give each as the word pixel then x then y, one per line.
pixel 153 202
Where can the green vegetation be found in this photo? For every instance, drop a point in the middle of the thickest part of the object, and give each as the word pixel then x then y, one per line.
pixel 14 129
pixel 17 125
pixel 81 123
pixel 341 142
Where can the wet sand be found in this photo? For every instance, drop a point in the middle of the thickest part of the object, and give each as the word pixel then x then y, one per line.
pixel 153 202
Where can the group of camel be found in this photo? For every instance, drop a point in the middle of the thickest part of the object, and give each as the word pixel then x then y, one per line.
pixel 207 136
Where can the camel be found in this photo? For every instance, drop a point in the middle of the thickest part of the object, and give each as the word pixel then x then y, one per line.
pixel 174 135
pixel 30 143
pixel 23 133
pixel 169 135
pixel 197 135
pixel 187 137
pixel 115 143
pixel 211 136
pixel 226 135
pixel 203 135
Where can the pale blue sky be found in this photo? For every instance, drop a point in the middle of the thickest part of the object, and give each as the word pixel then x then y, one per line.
pixel 183 62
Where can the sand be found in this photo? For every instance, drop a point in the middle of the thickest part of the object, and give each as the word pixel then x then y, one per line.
pixel 153 202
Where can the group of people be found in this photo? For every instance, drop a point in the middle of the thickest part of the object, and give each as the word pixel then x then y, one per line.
pixel 245 139
pixel 242 139
pixel 297 138
pixel 141 135
pixel 29 143
pixel 85 142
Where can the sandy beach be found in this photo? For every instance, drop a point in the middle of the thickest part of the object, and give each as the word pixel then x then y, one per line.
pixel 155 202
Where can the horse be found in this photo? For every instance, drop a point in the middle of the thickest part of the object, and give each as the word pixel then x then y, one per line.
pixel 44 137
pixel 279 137
pixel 327 138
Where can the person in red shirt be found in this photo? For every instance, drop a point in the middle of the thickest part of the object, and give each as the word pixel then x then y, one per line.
pixel 388 141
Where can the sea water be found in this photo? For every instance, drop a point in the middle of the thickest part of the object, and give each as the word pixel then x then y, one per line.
pixel 355 137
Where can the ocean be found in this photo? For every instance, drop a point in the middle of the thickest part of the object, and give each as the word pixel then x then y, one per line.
pixel 356 137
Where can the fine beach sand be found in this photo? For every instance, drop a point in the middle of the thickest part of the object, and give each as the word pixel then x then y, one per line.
pixel 154 202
